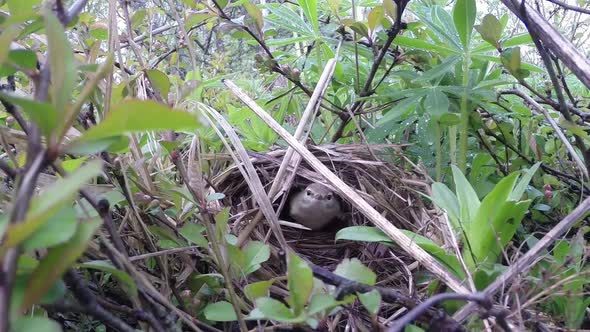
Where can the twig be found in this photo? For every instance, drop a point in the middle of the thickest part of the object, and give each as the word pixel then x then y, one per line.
pixel 570 7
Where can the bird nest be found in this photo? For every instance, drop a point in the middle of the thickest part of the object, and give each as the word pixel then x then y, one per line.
pixel 390 183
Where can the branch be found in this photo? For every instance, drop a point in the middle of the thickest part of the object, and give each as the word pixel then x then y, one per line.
pixel 570 7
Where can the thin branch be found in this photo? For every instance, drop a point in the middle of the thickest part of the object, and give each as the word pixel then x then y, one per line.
pixel 570 7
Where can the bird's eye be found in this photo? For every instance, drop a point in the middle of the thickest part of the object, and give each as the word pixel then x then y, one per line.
pixel 329 197
pixel 308 193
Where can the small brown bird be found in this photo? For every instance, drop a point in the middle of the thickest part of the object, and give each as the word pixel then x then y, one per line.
pixel 315 206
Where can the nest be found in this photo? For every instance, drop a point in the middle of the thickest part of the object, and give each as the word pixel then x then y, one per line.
pixel 391 184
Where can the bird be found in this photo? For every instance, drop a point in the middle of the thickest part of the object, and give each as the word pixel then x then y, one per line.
pixel 315 207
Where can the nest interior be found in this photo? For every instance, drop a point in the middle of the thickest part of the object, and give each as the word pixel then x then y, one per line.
pixel 390 183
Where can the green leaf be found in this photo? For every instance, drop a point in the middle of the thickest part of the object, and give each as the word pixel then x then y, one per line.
pixel 159 81
pixel 57 261
pixel 194 233
pixel 363 233
pixel 43 114
pixel 258 289
pixel 490 30
pixel 196 18
pixel 464 17
pixel 371 300
pixel 436 103
pixel 132 116
pixel 255 253
pixel 466 196
pixel 273 309
pixel 449 119
pixel 299 281
pixel 284 17
pixel 23 10
pixel 420 44
pixel 35 323
pixel 255 14
pixel 321 302
pixel 220 312
pixel 61 60
pixel 445 199
pixel 59 228
pixel 121 276
pixel 374 18
pixel 49 202
pixel 6 38
pixel 524 182
pixel 310 10
pixel 446 66
pixel 354 270
pixel 497 219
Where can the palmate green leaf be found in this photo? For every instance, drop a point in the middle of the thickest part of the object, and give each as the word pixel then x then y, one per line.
pixel 436 103
pixel 61 60
pixel 49 202
pixel 355 270
pixel 419 44
pixel 132 116
pixel 464 17
pixel 222 311
pixel 446 66
pixel 441 24
pixel 57 261
pixel 284 17
pixel 311 12
pixel 300 282
pixel 467 197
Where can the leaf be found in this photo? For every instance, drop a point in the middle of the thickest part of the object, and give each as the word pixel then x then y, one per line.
pixel 363 233
pixel 8 35
pixel 446 66
pixel 35 323
pixel 449 119
pixel 374 18
pixel 49 202
pixel 361 29
pixel 490 30
pixel 255 253
pixel 321 302
pixel 354 270
pixel 524 182
pixel 310 10
pixel 159 81
pixel 57 261
pixel 390 8
pixel 464 17
pixel 436 103
pixel 59 228
pixel 43 114
pixel 445 199
pixel 194 233
pixel 258 289
pixel 371 300
pixel 222 311
pixel 132 116
pixel 256 14
pixel 23 10
pixel 121 276
pixel 61 60
pixel 466 196
pixel 196 18
pixel 273 309
pixel 299 282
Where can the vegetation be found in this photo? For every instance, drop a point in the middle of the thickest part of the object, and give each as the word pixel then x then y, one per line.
pixel 130 163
